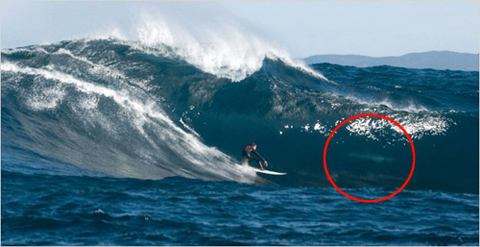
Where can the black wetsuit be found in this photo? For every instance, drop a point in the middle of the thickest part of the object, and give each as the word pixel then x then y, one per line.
pixel 249 154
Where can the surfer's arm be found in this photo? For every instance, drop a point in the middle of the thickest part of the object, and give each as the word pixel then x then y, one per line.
pixel 258 157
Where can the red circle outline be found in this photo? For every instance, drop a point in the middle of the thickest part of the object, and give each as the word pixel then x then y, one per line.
pixel 355 198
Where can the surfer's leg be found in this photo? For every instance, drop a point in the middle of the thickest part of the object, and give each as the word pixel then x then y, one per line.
pixel 260 164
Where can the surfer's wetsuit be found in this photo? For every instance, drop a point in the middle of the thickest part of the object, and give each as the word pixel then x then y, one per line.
pixel 249 154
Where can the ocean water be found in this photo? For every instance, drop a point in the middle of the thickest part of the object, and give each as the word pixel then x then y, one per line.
pixel 43 209
pixel 114 142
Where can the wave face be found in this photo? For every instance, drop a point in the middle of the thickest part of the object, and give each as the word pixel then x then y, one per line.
pixel 67 102
pixel 136 110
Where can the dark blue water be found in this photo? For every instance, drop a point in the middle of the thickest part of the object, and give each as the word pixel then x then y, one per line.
pixel 43 209
pixel 107 142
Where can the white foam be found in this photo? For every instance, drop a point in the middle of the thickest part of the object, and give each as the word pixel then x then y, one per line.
pixel 410 107
pixel 317 127
pixel 419 126
pixel 320 128
pixel 224 50
pixel 188 128
pixel 10 51
pixel 416 126
pixel 306 127
pixel 90 102
pixel 45 98
pixel 141 113
pixel 95 68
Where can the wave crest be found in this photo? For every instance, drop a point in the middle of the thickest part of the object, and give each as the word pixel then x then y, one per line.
pixel 226 50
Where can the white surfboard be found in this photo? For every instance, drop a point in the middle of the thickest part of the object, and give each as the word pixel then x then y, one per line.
pixel 253 169
pixel 269 172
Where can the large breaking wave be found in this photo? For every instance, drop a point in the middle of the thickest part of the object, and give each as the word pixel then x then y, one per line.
pixel 176 107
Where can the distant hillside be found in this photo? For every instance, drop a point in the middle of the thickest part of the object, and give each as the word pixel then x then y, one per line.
pixel 434 60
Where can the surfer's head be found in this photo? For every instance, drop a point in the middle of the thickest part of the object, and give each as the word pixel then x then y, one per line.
pixel 254 145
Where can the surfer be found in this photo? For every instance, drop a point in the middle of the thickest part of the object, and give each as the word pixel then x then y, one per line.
pixel 250 153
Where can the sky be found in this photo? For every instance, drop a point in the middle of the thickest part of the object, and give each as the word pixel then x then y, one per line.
pixel 304 28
